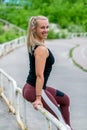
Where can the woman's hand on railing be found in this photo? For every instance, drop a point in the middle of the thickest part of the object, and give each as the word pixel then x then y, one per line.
pixel 36 103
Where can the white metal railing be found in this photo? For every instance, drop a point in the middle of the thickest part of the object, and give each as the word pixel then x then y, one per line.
pixel 11 45
pixel 81 34
pixel 55 28
pixel 12 99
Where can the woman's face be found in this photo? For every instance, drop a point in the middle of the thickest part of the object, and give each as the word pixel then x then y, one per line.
pixel 42 29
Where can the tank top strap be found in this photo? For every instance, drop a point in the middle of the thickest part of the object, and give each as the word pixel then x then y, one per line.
pixel 33 48
pixel 36 47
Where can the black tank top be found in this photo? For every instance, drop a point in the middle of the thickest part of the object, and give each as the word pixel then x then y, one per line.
pixel 31 79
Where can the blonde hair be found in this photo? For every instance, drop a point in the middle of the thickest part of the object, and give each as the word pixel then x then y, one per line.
pixel 31 41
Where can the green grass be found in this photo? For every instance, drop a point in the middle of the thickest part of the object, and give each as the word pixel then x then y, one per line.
pixel 75 63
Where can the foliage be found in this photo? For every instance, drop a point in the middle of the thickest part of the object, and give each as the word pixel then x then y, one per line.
pixel 52 34
pixel 70 14
pixel 8 33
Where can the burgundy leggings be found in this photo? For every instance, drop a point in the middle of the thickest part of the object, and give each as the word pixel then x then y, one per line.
pixel 57 97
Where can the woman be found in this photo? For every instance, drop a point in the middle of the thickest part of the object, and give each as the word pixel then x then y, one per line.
pixel 41 61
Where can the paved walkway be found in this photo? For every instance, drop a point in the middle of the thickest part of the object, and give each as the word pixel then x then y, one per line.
pixel 69 79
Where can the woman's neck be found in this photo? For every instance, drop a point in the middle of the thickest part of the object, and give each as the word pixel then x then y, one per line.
pixel 39 40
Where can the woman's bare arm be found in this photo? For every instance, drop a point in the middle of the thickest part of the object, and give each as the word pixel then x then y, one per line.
pixel 41 53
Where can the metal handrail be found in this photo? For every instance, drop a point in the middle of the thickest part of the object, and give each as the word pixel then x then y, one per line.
pixel 15 109
pixel 11 107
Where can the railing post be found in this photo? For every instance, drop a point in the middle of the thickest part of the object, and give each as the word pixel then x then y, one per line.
pixel 20 123
pixel 1 79
pixel 25 118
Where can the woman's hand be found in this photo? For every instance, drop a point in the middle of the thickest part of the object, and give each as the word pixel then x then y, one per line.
pixel 36 103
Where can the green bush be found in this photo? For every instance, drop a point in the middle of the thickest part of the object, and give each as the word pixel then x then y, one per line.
pixel 76 28
pixel 58 11
pixel 62 34
pixel 9 34
pixel 70 14
pixel 52 34
pixel 2 39
pixel 1 31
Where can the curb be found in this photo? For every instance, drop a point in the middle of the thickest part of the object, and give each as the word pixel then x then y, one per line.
pixel 79 57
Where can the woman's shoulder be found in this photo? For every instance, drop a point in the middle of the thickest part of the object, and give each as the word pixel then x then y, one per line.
pixel 41 50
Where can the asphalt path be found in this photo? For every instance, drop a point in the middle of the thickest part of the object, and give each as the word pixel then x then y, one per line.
pixel 65 76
